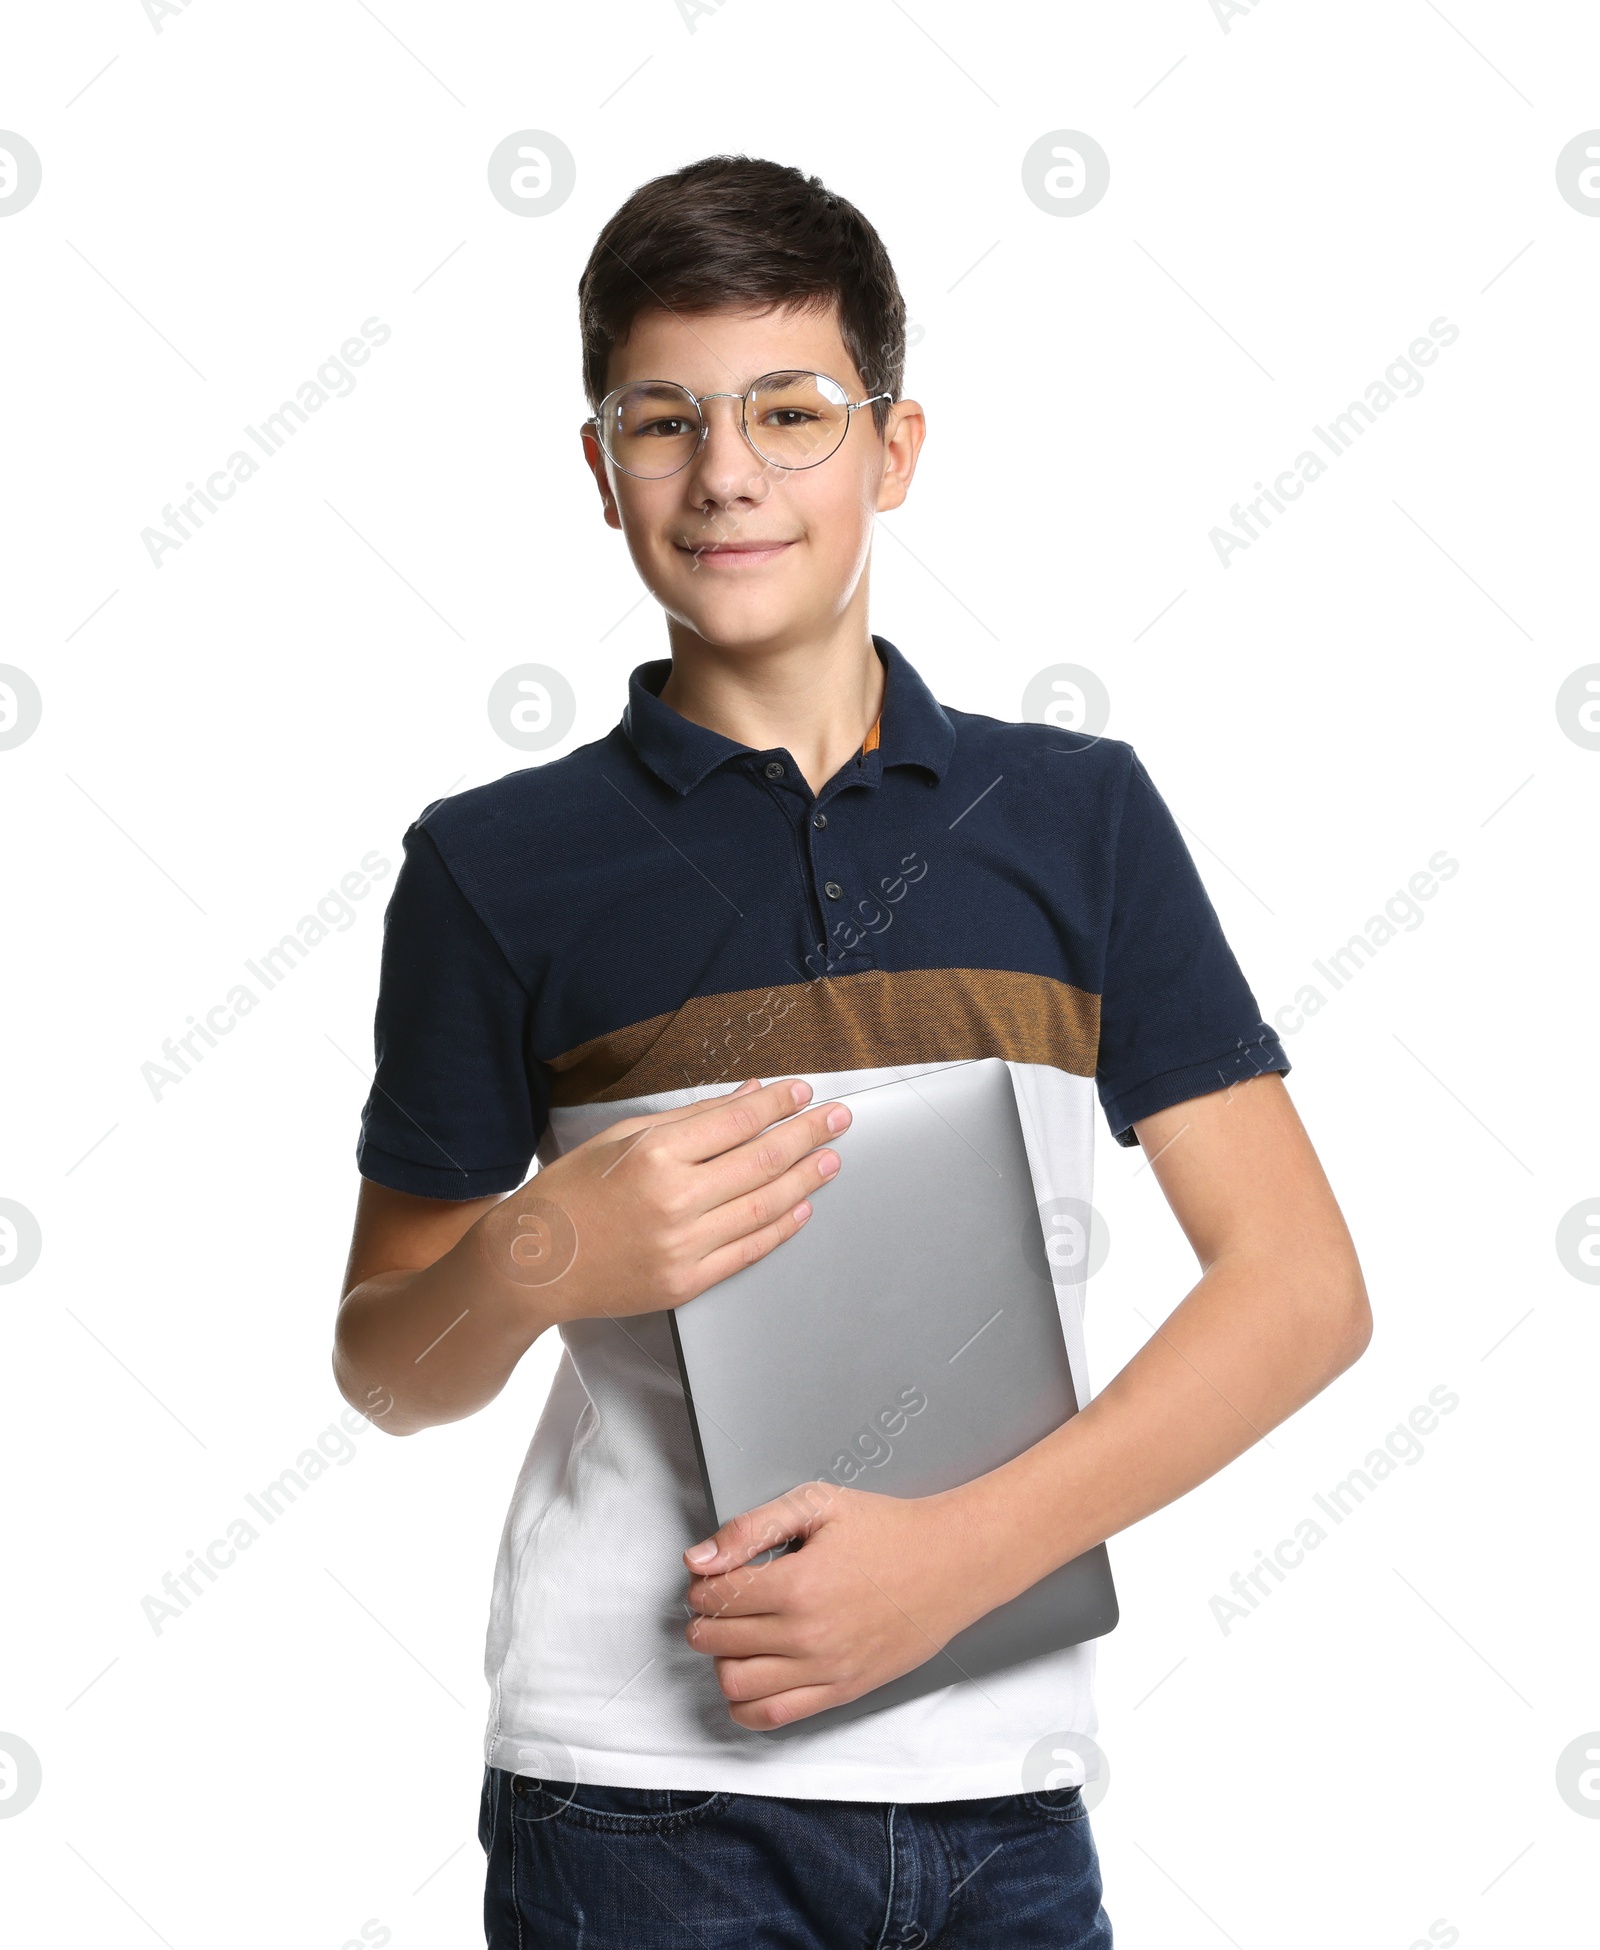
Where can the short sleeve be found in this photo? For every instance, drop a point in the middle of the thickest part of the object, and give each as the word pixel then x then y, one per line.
pixel 458 1102
pixel 1177 1018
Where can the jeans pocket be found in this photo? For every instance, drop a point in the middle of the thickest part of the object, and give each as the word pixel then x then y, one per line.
pixel 611 1810
pixel 1056 1804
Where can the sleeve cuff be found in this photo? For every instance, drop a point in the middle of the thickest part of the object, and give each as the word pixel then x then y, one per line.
pixel 436 1181
pixel 1238 1065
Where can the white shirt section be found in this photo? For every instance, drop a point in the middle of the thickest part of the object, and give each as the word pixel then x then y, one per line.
pixel 590 1675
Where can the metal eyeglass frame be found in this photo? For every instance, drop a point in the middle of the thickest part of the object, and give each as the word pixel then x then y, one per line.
pixel 596 420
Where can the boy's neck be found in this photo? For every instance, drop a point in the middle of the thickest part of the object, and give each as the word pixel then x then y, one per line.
pixel 817 700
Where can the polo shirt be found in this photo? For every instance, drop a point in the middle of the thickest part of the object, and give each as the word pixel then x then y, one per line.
pixel 645 923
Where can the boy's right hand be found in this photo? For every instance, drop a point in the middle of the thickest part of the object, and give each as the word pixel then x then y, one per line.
pixel 655 1209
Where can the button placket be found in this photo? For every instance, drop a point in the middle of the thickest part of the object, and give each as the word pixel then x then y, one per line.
pixel 833 896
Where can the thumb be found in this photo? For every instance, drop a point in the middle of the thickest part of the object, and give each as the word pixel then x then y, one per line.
pixel 798 1514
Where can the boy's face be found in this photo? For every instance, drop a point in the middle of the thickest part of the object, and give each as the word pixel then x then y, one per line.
pixel 736 550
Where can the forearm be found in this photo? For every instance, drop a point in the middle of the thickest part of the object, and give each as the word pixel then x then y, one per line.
pixel 413 1349
pixel 1253 1341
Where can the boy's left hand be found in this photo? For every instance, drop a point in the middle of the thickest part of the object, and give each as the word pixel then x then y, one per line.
pixel 870 1596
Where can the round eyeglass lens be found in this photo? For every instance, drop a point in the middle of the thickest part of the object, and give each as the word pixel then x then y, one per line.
pixel 796 419
pixel 651 429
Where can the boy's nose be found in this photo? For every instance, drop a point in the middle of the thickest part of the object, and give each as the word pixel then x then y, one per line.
pixel 725 464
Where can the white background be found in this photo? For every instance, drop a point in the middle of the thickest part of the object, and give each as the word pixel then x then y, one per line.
pixel 1375 1747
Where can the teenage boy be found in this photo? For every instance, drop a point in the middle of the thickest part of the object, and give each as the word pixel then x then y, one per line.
pixel 788 862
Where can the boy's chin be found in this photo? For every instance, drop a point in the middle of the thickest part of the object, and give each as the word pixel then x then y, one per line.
pixel 727 624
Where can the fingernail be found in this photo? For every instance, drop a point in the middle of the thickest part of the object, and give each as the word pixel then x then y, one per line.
pixel 701 1553
pixel 801 1093
pixel 802 1212
pixel 838 1118
pixel 827 1165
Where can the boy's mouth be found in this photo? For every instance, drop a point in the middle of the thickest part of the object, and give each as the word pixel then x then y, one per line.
pixel 734 555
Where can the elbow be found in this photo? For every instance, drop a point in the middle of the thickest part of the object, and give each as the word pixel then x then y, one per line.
pixel 1347 1314
pixel 371 1399
pixel 1357 1337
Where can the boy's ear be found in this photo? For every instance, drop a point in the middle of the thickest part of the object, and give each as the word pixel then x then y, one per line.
pixel 596 460
pixel 903 436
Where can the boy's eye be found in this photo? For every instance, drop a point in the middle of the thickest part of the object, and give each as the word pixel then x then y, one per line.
pixel 786 417
pixel 670 428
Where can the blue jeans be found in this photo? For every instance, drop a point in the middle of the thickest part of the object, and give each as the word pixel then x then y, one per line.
pixel 604 1868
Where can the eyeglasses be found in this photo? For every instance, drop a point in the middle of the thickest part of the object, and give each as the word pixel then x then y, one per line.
pixel 654 427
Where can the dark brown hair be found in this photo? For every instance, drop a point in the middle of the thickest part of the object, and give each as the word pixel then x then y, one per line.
pixel 735 232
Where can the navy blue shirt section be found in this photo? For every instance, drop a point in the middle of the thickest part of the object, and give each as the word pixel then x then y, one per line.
pixel 597 894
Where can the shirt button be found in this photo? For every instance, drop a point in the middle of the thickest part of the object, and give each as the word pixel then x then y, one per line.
pixel 832 889
pixel 774 769
pixel 820 820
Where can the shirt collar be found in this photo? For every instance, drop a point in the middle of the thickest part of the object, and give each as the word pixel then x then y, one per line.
pixel 913 727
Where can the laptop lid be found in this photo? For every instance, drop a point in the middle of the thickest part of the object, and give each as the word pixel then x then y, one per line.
pixel 904 1341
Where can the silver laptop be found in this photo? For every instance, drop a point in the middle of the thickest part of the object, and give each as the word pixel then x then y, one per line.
pixel 905 1340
